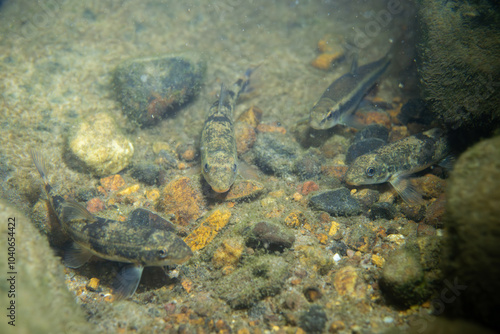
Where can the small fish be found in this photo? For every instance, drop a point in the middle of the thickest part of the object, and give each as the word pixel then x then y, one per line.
pixel 136 242
pixel 341 98
pixel 394 162
pixel 219 159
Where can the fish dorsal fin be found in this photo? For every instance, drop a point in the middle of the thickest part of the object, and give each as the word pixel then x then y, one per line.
pixel 406 190
pixel 76 256
pixel 127 280
pixel 354 65
pixel 73 210
pixel 39 162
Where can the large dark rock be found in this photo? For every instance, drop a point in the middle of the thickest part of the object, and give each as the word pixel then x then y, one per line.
pixel 152 88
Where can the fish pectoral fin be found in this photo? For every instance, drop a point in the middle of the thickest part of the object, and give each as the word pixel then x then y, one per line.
pixel 406 190
pixel 76 256
pixel 72 210
pixel 127 280
pixel 448 162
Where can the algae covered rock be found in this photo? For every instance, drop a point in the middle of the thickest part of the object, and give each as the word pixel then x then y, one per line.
pixel 337 202
pixel 258 278
pixel 474 232
pixel 38 292
pixel 403 279
pixel 459 67
pixel 151 88
pixel 100 146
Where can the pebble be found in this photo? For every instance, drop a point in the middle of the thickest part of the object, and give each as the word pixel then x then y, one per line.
pixel 146 173
pixel 375 131
pixel 241 190
pixel 324 61
pixel 152 88
pixel 348 283
pixel 360 238
pixel 259 278
pixel 95 205
pixel 307 187
pixel 366 197
pixel 338 247
pixel 112 183
pixel 308 166
pixel 434 215
pixel 314 320
pixel 337 202
pixel 362 147
pixel 183 199
pixel 270 237
pixel 245 136
pixel 187 152
pixel 229 253
pixel 93 284
pixel 252 116
pixel 403 276
pixel 431 185
pixel 295 219
pixel 275 153
pixel 209 227
pixel 99 145
pixel 382 210
pixel 312 293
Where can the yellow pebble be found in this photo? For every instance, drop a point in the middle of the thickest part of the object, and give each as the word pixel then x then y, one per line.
pixel 208 229
pixel 129 190
pixel 153 195
pixel 334 228
pixel 378 260
pixel 93 284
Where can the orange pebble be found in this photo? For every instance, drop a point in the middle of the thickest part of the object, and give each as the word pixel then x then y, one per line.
pixel 113 182
pixel 95 205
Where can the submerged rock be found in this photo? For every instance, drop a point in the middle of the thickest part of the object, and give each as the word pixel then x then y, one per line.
pixel 150 88
pixel 472 223
pixel 99 145
pixel 276 153
pixel 337 202
pixel 257 279
pixel 362 147
pixel 403 277
pixel 314 320
pixel 270 237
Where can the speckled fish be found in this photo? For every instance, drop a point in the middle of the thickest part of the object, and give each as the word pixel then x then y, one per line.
pixel 342 97
pixel 135 242
pixel 394 162
pixel 219 159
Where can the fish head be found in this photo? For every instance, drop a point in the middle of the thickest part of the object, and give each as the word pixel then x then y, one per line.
pixel 220 171
pixel 366 169
pixel 325 114
pixel 164 248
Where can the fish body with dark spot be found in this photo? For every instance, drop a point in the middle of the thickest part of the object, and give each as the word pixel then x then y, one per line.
pixel 394 162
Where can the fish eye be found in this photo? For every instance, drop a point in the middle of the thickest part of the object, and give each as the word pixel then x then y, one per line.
pixel 162 253
pixel 205 168
pixel 235 167
pixel 370 171
pixel 329 116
